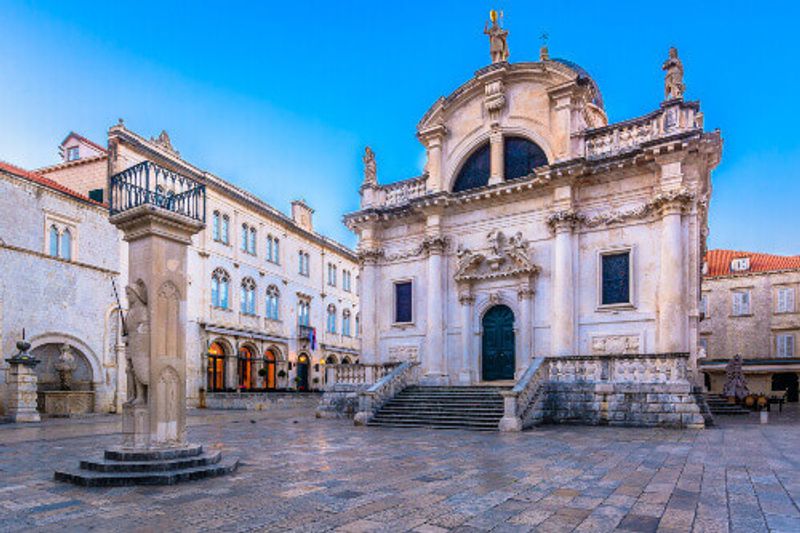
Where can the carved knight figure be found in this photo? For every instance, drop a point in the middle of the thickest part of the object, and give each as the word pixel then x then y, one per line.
pixel 370 167
pixel 673 79
pixel 498 45
pixel 138 353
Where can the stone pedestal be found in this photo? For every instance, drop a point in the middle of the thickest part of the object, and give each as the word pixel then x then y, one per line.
pixel 158 227
pixel 22 385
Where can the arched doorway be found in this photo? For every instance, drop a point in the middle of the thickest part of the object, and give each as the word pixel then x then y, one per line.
pixel 269 370
pixel 786 381
pixel 498 344
pixel 215 378
pixel 302 372
pixel 245 367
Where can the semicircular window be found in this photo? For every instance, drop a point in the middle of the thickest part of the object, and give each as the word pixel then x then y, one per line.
pixel 475 172
pixel 521 157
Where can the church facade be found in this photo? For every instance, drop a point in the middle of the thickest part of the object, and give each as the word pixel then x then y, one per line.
pixel 537 229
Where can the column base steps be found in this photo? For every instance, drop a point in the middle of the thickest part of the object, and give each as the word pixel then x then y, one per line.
pixel 718 405
pixel 119 467
pixel 477 408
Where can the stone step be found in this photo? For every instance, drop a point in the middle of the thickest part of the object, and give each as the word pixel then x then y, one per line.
pixel 89 478
pixel 417 424
pixel 124 454
pixel 436 418
pixel 435 409
pixel 466 402
pixel 106 465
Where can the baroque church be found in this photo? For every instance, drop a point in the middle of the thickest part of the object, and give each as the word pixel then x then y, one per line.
pixel 537 229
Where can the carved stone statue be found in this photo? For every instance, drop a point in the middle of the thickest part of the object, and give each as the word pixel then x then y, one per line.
pixel 673 79
pixel 370 167
pixel 138 352
pixel 65 365
pixel 498 45
pixel 164 142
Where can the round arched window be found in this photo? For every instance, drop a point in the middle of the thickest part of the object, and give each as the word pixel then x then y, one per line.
pixel 521 157
pixel 475 172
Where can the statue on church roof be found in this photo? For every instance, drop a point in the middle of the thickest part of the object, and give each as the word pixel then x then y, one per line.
pixel 673 80
pixel 498 45
pixel 370 167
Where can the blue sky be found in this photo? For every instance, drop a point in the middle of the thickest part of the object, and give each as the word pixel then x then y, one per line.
pixel 282 97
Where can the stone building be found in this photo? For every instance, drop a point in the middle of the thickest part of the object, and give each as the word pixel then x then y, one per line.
pixel 60 257
pixel 749 307
pixel 271 301
pixel 538 229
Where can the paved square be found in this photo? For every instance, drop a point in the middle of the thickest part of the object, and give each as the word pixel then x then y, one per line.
pixel 303 474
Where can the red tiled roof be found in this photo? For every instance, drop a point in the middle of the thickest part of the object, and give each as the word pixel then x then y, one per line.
pixel 719 262
pixel 85 140
pixel 47 182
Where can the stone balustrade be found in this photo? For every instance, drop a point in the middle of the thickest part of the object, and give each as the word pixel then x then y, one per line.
pixel 370 400
pixel 344 383
pixel 358 374
pixel 520 402
pixel 401 192
pixel 673 118
pixel 629 390
pixel 633 368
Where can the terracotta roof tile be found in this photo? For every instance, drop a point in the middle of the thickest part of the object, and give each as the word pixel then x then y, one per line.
pixel 47 182
pixel 719 262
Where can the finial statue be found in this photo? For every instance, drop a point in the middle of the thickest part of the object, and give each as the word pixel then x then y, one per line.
pixel 498 45
pixel 673 79
pixel 544 52
pixel 370 167
pixel 138 352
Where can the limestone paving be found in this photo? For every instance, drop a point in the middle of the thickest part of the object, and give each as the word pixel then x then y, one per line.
pixel 299 473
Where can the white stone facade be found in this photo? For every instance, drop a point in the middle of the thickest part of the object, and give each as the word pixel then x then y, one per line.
pixel 536 243
pixel 61 298
pixel 232 326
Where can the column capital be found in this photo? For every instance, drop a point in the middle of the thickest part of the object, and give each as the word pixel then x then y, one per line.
pixel 564 220
pixel 369 256
pixel 435 244
pixel 673 202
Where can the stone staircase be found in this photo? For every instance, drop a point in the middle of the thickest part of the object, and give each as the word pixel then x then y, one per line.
pixel 719 406
pixel 121 467
pixel 477 408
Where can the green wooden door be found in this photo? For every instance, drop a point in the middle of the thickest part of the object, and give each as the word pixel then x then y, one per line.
pixel 498 343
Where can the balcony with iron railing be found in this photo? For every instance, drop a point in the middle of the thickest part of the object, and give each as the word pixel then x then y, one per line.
pixel 147 183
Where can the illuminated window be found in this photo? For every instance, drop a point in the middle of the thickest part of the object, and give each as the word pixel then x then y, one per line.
pixel 216 368
pixel 245 368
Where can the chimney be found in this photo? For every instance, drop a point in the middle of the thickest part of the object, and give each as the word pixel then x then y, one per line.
pixel 301 214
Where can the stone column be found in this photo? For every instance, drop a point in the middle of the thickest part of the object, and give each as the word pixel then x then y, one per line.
pixel 367 305
pixel 22 385
pixel 497 157
pixel 563 321
pixel 435 301
pixel 525 355
pixel 467 301
pixel 672 309
pixel 158 242
pixel 432 138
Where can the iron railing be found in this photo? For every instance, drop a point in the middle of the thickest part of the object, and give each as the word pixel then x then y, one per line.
pixel 149 184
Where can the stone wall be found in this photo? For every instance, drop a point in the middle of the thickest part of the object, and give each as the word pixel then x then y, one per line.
pixel 622 404
pixel 254 401
pixel 341 401
pixel 60 301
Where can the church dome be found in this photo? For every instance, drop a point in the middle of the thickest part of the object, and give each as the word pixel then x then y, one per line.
pixel 583 76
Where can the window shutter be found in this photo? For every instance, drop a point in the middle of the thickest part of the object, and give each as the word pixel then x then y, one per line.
pixel 789 299
pixel 789 345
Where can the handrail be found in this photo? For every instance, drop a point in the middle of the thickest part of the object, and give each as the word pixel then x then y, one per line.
pixel 520 401
pixel 370 400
